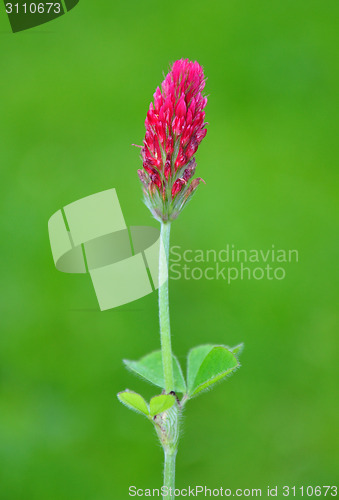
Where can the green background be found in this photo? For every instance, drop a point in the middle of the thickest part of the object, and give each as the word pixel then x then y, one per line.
pixel 74 95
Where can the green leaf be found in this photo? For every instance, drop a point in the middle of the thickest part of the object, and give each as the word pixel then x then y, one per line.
pixel 150 367
pixel 195 357
pixel 134 401
pixel 237 349
pixel 161 403
pixel 207 364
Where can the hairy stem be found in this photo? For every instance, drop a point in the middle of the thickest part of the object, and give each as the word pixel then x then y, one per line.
pixel 169 473
pixel 165 329
pixel 171 420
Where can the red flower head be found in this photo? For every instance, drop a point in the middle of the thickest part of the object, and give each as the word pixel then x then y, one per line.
pixel 174 129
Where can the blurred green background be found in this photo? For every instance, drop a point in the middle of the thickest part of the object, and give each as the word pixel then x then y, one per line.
pixel 74 95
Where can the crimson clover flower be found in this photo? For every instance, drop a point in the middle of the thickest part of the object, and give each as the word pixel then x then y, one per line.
pixel 175 127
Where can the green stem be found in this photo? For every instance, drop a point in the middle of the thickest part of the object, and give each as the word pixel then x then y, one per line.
pixel 169 473
pixel 165 329
pixel 172 428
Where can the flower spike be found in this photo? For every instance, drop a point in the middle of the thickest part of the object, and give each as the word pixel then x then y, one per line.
pixel 175 126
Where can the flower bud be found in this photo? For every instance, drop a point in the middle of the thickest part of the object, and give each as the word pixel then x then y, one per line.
pixel 177 186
